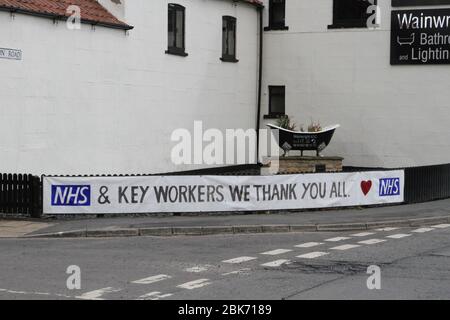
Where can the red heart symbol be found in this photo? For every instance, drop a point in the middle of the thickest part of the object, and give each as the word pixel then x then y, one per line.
pixel 366 186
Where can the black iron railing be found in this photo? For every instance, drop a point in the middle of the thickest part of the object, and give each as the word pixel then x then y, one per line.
pixel 20 194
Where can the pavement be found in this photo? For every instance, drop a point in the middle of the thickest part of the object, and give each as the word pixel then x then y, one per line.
pixel 17 228
pixel 383 263
pixel 218 223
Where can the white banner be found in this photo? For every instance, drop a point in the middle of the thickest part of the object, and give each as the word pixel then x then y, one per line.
pixel 152 194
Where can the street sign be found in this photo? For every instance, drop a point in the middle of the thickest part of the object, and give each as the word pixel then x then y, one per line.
pixel 420 37
pixel 410 3
pixel 13 54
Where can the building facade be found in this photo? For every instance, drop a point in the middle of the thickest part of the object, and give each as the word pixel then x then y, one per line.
pixel 106 98
pixel 334 69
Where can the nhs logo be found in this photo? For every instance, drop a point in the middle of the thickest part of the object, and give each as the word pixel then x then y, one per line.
pixel 389 187
pixel 71 196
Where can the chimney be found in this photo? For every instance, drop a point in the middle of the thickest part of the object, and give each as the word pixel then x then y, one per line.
pixel 115 7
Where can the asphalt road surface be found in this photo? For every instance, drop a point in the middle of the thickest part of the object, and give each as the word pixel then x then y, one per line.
pixel 414 264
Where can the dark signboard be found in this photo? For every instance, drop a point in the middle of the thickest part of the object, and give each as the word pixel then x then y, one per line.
pixel 410 3
pixel 420 37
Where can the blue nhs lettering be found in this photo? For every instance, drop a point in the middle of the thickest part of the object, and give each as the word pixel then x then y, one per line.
pixel 389 187
pixel 71 196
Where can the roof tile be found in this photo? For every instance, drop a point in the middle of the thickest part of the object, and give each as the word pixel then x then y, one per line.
pixel 91 10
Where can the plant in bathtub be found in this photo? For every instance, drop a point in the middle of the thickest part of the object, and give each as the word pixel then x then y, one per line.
pixel 285 122
pixel 314 127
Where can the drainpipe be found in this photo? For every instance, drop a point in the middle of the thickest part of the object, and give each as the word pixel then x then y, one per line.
pixel 258 116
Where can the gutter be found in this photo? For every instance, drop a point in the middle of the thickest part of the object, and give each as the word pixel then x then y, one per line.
pixel 119 26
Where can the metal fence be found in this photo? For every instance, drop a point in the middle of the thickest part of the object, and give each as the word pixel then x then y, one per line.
pixel 427 183
pixel 20 194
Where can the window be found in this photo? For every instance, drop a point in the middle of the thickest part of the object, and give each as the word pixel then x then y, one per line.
pixel 229 39
pixel 277 15
pixel 176 25
pixel 350 13
pixel 276 101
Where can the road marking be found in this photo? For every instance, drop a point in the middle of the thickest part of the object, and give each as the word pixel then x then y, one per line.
pixel 422 230
pixel 194 284
pixel 239 260
pixel 156 295
pixel 197 269
pixel 276 252
pixel 36 293
pixel 312 255
pixel 372 241
pixel 346 247
pixel 308 244
pixel 387 229
pixel 337 239
pixel 441 226
pixel 362 234
pixel 96 294
pixel 240 271
pixel 275 263
pixel 398 236
pixel 152 279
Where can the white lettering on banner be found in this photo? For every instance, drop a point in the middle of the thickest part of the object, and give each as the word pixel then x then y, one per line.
pixel 94 195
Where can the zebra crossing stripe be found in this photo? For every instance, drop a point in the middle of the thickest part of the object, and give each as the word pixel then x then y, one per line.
pixel 362 234
pixel 308 244
pixel 398 236
pixel 156 295
pixel 97 294
pixel 372 241
pixel 346 247
pixel 239 260
pixel 276 252
pixel 387 229
pixel 441 226
pixel 152 279
pixel 312 255
pixel 194 284
pixel 336 239
pixel 422 230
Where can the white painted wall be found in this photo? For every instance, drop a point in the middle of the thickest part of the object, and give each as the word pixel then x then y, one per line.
pixel 100 101
pixel 391 116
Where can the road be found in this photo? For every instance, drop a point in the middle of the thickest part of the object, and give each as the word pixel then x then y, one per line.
pixel 414 264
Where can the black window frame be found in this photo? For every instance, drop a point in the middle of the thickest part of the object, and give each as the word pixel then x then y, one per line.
pixel 227 56
pixel 276 25
pixel 339 22
pixel 175 48
pixel 271 114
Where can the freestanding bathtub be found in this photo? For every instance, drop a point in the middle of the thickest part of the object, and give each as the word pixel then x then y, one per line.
pixel 301 141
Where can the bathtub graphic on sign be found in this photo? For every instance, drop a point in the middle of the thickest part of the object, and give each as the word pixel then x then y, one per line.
pixel 406 40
